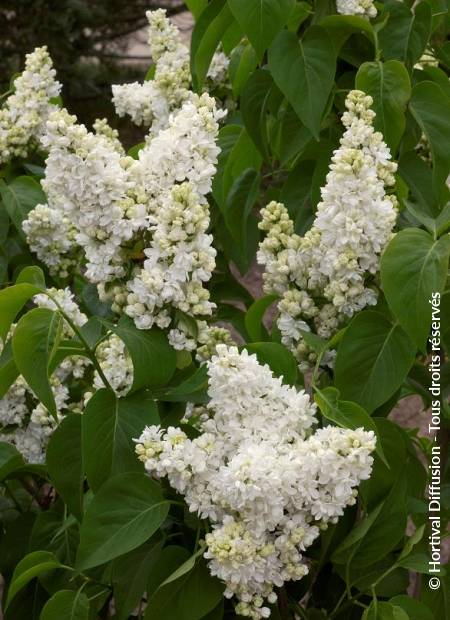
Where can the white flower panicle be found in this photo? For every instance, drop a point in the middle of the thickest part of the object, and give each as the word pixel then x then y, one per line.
pixel 86 181
pixel 363 8
pixel 324 277
pixel 260 474
pixel 151 103
pixel 142 223
pixel 180 259
pixel 25 112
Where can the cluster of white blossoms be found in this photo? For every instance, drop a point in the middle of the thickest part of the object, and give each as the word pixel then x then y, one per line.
pixel 141 224
pixel 24 421
pixel 364 8
pixel 25 111
pixel 151 103
pixel 324 277
pixel 266 480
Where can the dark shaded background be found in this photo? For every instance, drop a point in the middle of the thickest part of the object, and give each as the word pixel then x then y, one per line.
pixel 88 42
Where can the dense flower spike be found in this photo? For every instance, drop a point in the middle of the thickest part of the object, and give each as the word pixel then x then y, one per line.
pixel 260 474
pixel 151 103
pixel 140 223
pixel 25 112
pixel 364 8
pixel 323 278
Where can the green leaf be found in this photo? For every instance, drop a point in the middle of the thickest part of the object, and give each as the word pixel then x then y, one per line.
pixel 33 344
pixel 429 105
pixel 438 600
pixel 32 565
pixel 356 535
pixel 298 15
pixel 64 463
pixel 189 597
pixel 10 459
pixel 231 38
pixel 127 510
pixel 289 138
pixel 185 568
pixel 296 194
pixel 341 27
pixel 413 267
pixel 412 542
pixel 435 74
pixel 241 199
pixel 261 20
pixel 67 605
pixel 277 357
pixel 380 610
pixel 347 414
pixel 12 300
pixel 415 609
pixel 4 224
pixel 405 34
pixel 32 275
pixel 170 559
pixel 192 389
pixel 389 86
pixel 20 197
pixel 380 530
pixel 254 100
pixel 305 66
pixel 384 476
pixel 388 528
pixel 130 574
pixel 109 425
pixel 8 369
pixel 243 62
pixel 373 359
pixel 196 6
pixel 254 316
pixel 209 29
pixel 154 360
pixel 417 562
pixel 415 172
pixel 242 156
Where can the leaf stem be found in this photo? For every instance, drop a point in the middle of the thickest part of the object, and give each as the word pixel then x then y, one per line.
pixel 84 342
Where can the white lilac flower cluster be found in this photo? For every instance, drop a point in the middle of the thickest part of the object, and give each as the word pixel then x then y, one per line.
pixel 23 116
pixel 363 8
pixel 151 103
pixel 24 421
pixel 142 223
pixel 260 473
pixel 325 277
